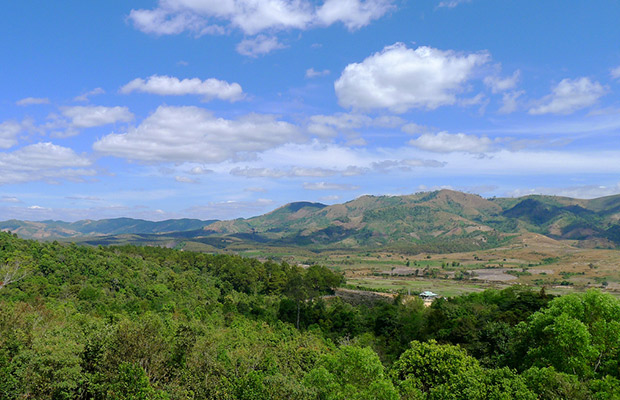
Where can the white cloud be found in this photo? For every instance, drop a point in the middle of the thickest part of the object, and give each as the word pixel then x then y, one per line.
pixel 161 21
pixel 331 125
pixel 86 95
pixel 615 72
pixel 171 86
pixel 405 165
pixel 569 96
pixel 193 134
pixel 368 167
pixel 498 84
pixel 259 45
pixel 312 73
pixel 578 192
pixel 43 161
pixel 200 171
pixel 318 159
pixel 185 179
pixel 414 129
pixel 92 116
pixel 328 186
pixel 510 102
pixel 38 208
pixel 280 173
pixel 399 79
pixel 8 133
pixel 29 101
pixel 253 16
pixel 10 199
pixel 444 142
pixel 451 3
pixel 354 14
pixel 480 98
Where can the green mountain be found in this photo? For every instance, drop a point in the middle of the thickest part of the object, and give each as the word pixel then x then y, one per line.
pixel 447 218
pixel 439 221
pixel 115 226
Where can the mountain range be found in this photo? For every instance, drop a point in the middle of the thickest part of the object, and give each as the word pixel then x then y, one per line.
pixel 439 221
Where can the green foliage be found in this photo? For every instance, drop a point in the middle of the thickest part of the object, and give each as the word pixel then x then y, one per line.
pixel 132 383
pixel 351 373
pixel 577 334
pixel 151 323
pixel 447 372
pixel 553 385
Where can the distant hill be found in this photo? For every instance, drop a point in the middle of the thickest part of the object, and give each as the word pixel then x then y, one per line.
pixel 439 221
pixel 115 226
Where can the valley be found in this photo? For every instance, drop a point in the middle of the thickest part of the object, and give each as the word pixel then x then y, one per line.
pixel 447 241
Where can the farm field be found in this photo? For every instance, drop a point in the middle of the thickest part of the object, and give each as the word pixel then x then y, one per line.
pixel 530 259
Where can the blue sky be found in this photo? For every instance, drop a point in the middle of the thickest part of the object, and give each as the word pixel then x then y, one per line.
pixel 231 108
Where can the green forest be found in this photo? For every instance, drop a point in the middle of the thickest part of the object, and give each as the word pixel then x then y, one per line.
pixel 132 322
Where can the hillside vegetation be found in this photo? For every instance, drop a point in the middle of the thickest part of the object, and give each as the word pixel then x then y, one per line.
pixel 153 323
pixel 441 222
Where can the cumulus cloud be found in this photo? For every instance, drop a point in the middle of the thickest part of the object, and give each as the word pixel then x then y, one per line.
pixel 259 45
pixel 328 186
pixel 312 73
pixel 615 72
pixel 8 133
pixel 444 142
pixel 170 86
pixel 253 17
pixel 569 96
pixel 43 161
pixel 86 95
pixel 498 84
pixel 354 14
pixel 193 134
pixel 29 101
pixel 92 116
pixel 399 78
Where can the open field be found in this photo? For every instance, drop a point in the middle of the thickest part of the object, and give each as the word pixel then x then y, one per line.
pixel 530 259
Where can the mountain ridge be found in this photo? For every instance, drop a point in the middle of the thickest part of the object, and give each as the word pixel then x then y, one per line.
pixel 442 218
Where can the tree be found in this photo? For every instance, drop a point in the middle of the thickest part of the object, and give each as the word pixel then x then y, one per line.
pixel 446 372
pixel 352 373
pixel 577 334
pixel 11 273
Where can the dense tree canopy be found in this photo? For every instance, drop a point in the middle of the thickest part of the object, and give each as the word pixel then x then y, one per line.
pixel 152 323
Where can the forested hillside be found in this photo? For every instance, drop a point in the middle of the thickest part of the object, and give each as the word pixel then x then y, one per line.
pixel 151 323
pixel 443 221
